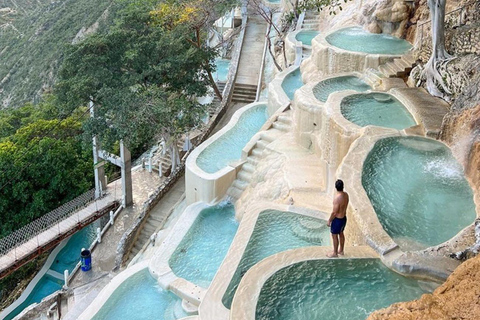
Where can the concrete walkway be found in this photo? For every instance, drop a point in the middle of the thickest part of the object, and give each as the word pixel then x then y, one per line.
pixel 103 257
pixel 252 50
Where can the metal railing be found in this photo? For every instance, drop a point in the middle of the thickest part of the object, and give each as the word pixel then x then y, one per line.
pixel 459 21
pixel 36 227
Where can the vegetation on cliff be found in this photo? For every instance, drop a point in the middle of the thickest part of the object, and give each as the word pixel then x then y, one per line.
pixel 32 37
pixel 43 163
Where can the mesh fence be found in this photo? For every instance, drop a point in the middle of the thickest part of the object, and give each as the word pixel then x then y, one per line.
pixel 24 234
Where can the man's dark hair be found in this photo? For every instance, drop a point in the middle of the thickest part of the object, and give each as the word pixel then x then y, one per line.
pixel 339 185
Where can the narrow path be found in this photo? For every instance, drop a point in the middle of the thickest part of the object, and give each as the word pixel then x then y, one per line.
pixel 252 50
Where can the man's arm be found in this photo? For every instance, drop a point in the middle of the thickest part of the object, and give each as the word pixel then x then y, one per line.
pixel 336 207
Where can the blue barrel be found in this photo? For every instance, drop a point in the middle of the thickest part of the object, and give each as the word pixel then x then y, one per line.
pixel 86 259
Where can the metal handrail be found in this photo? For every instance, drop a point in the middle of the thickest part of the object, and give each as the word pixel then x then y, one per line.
pixel 34 228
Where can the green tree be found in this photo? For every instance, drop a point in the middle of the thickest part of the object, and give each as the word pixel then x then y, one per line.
pixel 143 80
pixel 42 165
pixel 194 18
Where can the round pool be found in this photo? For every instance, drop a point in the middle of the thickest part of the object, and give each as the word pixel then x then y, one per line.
pixel 358 40
pixel 306 36
pixel 324 88
pixel 277 231
pixel 333 289
pixel 418 191
pixel 378 109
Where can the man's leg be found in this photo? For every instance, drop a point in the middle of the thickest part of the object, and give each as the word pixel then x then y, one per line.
pixel 335 246
pixel 342 243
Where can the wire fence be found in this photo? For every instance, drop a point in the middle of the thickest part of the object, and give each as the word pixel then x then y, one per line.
pixel 45 222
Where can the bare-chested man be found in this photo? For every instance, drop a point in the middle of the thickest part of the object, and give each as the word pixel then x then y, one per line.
pixel 338 219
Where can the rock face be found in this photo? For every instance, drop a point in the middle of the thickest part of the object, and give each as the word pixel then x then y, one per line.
pixel 389 16
pixel 377 16
pixel 457 298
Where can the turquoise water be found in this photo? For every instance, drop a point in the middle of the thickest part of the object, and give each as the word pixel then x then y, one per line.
pixel 200 253
pixel 324 88
pixel 45 287
pixel 229 146
pixel 333 290
pixel 67 258
pixel 359 40
pixel 277 231
pixel 292 82
pixel 306 36
pixel 418 191
pixel 221 71
pixel 378 109
pixel 140 298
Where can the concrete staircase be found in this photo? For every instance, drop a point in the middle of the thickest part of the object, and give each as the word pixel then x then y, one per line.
pixel 245 175
pixel 399 67
pixel 166 159
pixel 244 93
pixel 158 216
pixel 373 78
pixel 311 22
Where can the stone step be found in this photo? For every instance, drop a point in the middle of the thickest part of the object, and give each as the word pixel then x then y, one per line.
pixel 283 118
pixel 252 160
pixel 234 193
pixel 248 167
pixel 257 152
pixel 244 176
pixel 402 64
pixel 261 144
pixel 242 99
pixel 239 184
pixel 245 86
pixel 409 58
pixel 281 126
pixel 385 70
pixel 245 90
pixel 268 137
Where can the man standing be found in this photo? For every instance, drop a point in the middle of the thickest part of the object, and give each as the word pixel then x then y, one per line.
pixel 338 219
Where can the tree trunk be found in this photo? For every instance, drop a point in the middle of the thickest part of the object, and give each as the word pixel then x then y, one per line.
pixel 269 47
pixel 439 53
pixel 214 84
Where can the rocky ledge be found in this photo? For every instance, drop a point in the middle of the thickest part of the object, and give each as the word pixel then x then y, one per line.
pixel 457 298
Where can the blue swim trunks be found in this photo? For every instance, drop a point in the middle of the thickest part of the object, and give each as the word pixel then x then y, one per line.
pixel 338 225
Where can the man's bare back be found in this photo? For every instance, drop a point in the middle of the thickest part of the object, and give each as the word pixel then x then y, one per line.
pixel 340 204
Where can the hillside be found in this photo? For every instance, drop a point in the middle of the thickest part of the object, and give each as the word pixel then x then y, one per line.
pixel 32 37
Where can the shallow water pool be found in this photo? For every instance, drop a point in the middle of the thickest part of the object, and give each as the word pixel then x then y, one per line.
pixel 418 191
pixel 358 40
pixel 140 298
pixel 292 82
pixel 277 231
pixel 333 289
pixel 200 253
pixel 378 109
pixel 228 147
pixel 324 88
pixel 66 259
pixel 306 36
pixel 221 72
